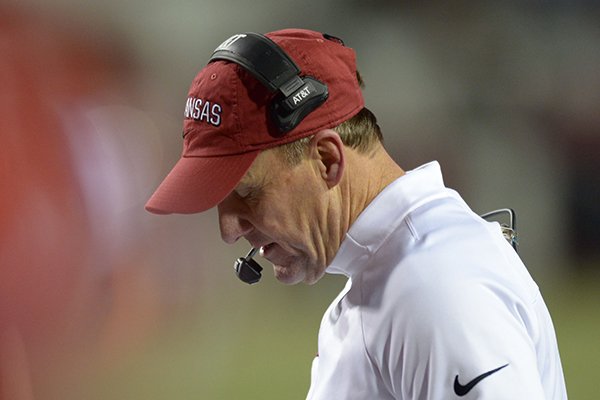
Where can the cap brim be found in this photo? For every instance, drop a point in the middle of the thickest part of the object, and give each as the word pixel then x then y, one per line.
pixel 196 184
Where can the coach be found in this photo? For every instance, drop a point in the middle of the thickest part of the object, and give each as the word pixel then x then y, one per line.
pixel 437 304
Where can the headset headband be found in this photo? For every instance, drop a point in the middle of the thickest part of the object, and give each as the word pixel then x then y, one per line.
pixel 266 61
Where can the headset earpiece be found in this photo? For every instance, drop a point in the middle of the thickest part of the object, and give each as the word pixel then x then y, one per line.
pixel 285 112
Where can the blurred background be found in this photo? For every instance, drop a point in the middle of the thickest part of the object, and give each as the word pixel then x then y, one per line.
pixel 101 300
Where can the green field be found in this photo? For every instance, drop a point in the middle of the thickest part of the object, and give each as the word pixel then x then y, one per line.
pixel 245 346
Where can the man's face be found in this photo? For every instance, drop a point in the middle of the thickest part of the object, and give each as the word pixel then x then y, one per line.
pixel 281 209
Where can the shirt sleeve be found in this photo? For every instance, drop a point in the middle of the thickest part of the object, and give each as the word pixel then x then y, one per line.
pixel 465 339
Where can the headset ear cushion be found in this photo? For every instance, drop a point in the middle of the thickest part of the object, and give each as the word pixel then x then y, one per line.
pixel 287 112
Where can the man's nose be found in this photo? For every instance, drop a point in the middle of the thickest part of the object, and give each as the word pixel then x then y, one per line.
pixel 232 223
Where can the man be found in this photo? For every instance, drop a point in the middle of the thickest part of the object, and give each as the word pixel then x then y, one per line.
pixel 437 305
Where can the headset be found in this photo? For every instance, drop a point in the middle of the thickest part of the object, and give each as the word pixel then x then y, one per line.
pixel 297 96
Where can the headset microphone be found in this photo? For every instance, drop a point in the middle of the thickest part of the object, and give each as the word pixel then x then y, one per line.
pixel 248 269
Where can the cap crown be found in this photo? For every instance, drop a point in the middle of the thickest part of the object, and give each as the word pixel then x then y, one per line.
pixel 227 110
pixel 227 123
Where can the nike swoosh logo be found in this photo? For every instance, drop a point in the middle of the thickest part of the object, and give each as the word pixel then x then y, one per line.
pixel 462 390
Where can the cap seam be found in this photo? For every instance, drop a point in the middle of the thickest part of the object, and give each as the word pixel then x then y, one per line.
pixel 236 108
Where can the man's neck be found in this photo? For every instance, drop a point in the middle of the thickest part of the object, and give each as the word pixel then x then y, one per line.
pixel 366 175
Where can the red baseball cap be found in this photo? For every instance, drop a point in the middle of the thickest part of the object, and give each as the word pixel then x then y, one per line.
pixel 227 121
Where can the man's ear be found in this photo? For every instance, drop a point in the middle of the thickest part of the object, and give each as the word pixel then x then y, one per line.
pixel 328 151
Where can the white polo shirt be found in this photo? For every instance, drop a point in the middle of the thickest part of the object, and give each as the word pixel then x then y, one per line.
pixel 437 306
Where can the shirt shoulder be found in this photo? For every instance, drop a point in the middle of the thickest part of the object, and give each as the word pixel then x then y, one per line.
pixel 443 295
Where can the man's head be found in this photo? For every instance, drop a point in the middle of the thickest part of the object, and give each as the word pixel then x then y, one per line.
pixel 229 116
pixel 281 191
pixel 297 201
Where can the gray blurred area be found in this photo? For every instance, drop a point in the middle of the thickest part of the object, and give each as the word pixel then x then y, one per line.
pixel 505 95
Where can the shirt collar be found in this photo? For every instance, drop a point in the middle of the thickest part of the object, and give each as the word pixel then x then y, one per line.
pixel 383 215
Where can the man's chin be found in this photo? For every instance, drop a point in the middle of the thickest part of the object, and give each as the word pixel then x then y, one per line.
pixel 287 275
pixel 293 276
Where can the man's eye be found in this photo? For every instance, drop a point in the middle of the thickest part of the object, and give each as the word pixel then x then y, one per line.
pixel 251 195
